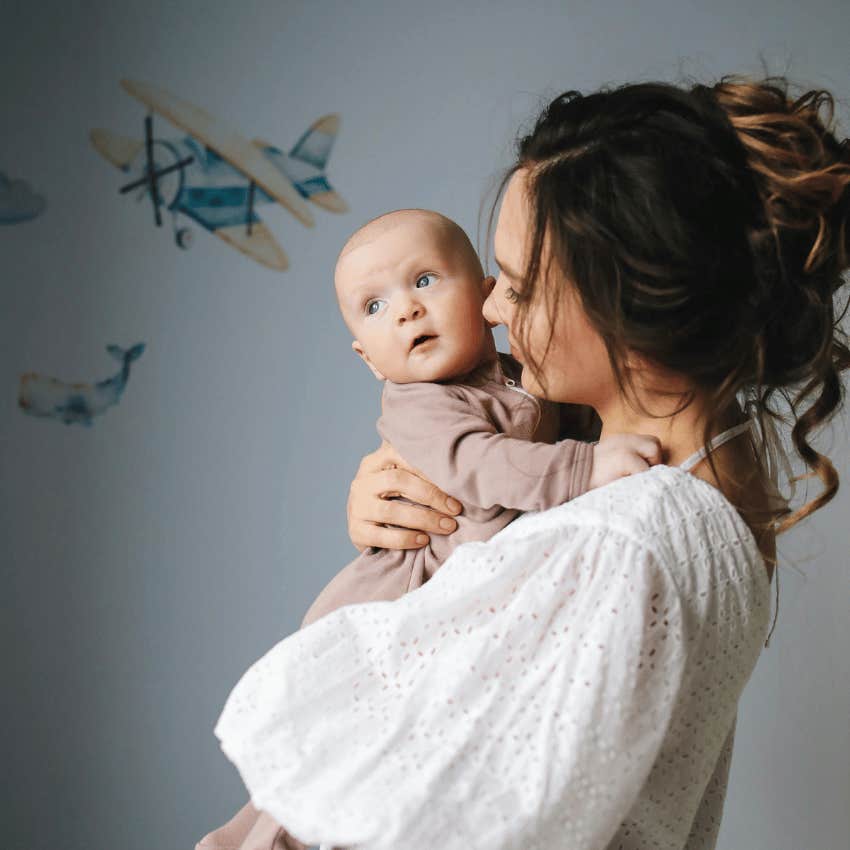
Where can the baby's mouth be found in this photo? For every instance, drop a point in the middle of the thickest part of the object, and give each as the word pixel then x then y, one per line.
pixel 421 339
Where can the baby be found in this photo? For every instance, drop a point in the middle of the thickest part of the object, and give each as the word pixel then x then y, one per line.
pixel 411 291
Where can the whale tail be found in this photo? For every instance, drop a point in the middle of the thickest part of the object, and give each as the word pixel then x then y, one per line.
pixel 128 355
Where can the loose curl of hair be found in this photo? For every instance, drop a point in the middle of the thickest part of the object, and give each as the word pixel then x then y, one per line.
pixel 705 230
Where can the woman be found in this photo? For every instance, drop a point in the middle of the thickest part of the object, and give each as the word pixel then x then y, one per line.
pixel 573 682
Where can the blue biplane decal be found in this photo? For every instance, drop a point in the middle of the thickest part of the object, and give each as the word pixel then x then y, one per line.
pixel 217 178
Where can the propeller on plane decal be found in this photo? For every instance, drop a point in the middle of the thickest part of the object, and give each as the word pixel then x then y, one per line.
pixel 152 173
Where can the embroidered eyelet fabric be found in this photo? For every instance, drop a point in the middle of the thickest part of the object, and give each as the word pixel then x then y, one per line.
pixel 572 682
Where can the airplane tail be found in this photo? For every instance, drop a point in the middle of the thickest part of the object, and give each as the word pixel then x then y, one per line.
pixel 313 149
pixel 128 355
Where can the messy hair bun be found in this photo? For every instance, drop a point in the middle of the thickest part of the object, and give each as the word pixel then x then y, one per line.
pixel 800 242
pixel 704 229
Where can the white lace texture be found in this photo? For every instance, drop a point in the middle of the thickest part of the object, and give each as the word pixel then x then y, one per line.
pixel 571 682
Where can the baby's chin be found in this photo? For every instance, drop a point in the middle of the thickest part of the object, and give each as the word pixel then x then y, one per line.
pixel 435 364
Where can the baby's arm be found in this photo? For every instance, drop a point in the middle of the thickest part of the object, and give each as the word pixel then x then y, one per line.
pixel 455 444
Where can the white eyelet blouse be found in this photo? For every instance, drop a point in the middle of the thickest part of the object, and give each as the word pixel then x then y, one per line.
pixel 572 682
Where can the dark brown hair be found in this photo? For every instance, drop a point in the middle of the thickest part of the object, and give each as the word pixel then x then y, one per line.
pixel 704 229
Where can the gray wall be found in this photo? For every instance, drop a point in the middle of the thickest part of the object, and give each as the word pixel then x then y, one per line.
pixel 148 560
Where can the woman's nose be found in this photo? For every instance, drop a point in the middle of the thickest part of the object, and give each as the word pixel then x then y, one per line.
pixel 490 313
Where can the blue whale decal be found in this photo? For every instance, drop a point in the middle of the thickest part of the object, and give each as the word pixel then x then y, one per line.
pixel 41 395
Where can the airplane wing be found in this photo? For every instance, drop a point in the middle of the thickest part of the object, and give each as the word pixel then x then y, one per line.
pixel 227 143
pixel 260 245
pixel 230 225
pixel 117 149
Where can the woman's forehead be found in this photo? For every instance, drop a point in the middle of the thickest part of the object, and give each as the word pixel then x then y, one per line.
pixel 511 224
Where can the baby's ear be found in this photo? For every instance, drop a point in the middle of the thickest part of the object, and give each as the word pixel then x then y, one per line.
pixel 487 285
pixel 358 349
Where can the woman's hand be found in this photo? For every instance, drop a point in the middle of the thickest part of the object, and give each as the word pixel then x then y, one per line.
pixel 372 511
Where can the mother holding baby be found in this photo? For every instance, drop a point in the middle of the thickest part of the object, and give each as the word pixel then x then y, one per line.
pixel 668 259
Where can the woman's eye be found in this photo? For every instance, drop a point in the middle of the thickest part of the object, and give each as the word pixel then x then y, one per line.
pixel 511 294
pixel 370 305
pixel 424 277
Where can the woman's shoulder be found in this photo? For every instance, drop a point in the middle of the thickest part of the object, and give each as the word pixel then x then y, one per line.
pixel 628 504
pixel 689 527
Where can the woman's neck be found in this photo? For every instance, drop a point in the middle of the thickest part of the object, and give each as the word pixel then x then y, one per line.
pixel 680 435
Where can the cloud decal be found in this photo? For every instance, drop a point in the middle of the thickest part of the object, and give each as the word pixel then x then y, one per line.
pixel 18 201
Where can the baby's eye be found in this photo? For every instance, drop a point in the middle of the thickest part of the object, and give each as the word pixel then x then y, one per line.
pixel 370 304
pixel 424 277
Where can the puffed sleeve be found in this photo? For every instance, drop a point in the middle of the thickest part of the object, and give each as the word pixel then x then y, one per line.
pixel 517 701
pixel 458 447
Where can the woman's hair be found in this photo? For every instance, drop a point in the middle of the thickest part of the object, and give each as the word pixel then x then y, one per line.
pixel 705 229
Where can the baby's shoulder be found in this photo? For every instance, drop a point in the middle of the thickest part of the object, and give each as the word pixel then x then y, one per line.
pixel 428 402
pixel 426 392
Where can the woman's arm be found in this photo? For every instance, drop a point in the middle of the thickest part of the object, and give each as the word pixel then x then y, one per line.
pixel 376 518
pixel 545 688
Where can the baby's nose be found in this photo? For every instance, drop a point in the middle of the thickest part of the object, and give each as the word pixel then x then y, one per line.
pixel 411 310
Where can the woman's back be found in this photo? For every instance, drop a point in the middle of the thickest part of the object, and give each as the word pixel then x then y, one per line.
pixel 573 681
pixel 725 589
pixel 744 486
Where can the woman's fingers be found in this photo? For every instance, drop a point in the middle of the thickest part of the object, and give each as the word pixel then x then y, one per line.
pixel 402 482
pixel 364 534
pixel 383 475
pixel 383 457
pixel 414 517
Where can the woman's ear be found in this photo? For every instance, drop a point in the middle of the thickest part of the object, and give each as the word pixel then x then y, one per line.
pixel 358 349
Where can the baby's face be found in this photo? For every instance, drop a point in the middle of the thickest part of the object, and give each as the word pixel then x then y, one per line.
pixel 410 282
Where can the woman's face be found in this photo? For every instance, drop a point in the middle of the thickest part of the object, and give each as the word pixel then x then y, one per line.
pixel 575 367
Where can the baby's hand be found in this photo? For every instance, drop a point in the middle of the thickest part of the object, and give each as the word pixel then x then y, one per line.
pixel 623 454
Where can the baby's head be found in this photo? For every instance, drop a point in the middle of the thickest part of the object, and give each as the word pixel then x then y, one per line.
pixel 410 274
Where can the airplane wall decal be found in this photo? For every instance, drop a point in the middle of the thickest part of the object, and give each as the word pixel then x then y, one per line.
pixel 217 178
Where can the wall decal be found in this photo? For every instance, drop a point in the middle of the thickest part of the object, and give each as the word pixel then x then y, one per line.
pixel 18 201
pixel 218 178
pixel 40 395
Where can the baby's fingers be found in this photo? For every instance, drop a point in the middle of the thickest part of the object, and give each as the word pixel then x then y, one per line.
pixel 648 447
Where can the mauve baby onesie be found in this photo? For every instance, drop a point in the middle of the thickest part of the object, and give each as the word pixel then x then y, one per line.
pixel 473 438
pixel 480 438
